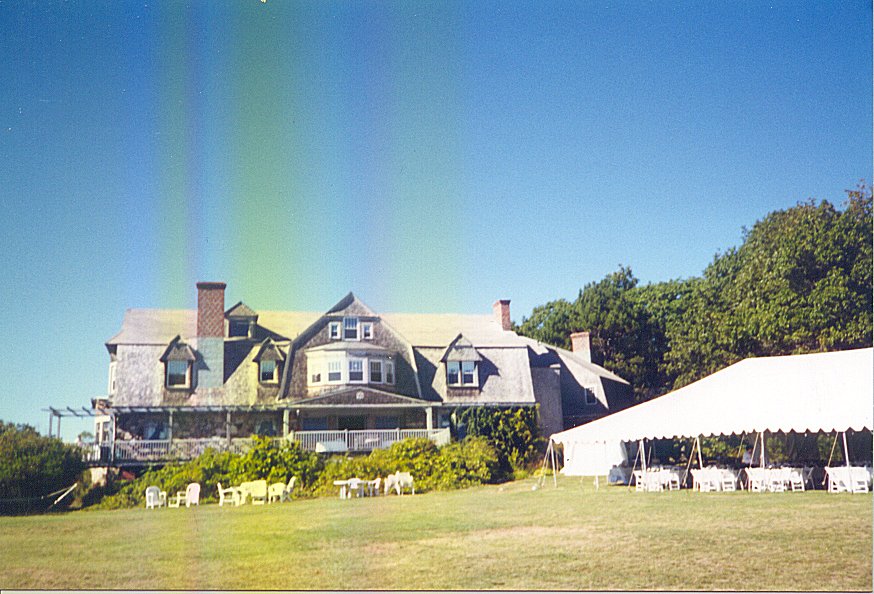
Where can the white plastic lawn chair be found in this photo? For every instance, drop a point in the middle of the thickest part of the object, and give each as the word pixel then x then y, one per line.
pixel 232 492
pixel 155 497
pixel 404 481
pixel 280 491
pixel 192 494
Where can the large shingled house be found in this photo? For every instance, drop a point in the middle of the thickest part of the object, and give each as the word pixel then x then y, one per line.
pixel 346 379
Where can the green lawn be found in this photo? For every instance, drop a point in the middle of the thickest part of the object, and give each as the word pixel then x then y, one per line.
pixel 497 537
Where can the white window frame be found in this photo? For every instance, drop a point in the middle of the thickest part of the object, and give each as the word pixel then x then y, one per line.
pixel 167 374
pixel 113 366
pixel 379 363
pixel 335 330
pixel 360 364
pixel 366 330
pixel 472 372
pixel 453 368
pixel 589 396
pixel 348 324
pixel 273 379
pixel 335 366
pixel 389 372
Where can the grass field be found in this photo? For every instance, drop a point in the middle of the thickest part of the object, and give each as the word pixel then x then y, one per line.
pixel 497 537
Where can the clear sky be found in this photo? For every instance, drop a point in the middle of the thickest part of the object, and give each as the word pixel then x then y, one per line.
pixel 429 156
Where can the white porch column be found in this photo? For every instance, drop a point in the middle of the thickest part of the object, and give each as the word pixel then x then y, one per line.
pixel 170 427
pixel 228 428
pixel 429 417
pixel 285 417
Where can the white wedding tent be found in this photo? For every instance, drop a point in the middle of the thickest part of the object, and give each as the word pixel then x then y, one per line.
pixel 830 392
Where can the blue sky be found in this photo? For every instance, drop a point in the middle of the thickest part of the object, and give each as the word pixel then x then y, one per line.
pixel 428 156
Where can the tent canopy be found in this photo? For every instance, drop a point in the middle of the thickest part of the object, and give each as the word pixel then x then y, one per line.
pixel 818 392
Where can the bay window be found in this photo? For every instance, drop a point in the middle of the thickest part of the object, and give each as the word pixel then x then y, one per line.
pixel 356 370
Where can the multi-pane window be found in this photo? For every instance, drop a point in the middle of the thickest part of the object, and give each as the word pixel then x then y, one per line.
pixel 334 371
pixel 468 373
pixel 334 330
pixel 356 370
pixel 376 372
pixel 177 374
pixel 453 373
pixel 461 373
pixel 112 367
pixel 267 372
pixel 350 328
pixel 238 328
pixel 366 330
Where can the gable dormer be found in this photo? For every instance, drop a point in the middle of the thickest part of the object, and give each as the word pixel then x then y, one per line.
pixel 350 319
pixel 178 360
pixel 462 364
pixel 241 321
pixel 270 360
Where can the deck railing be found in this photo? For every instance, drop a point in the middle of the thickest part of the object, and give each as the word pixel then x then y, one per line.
pixel 144 451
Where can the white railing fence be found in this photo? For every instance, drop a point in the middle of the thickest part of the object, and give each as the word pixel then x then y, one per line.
pixel 160 450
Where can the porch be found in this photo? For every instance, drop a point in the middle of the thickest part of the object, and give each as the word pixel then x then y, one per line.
pixel 151 451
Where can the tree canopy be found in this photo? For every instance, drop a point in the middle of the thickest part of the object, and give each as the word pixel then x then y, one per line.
pixel 800 282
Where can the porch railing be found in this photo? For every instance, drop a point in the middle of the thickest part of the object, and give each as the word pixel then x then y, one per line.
pixel 144 451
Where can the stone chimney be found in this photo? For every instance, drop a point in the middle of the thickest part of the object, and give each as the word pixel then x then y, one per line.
pixel 501 311
pixel 581 345
pixel 211 334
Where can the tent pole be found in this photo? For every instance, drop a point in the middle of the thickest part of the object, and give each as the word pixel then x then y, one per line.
pixel 634 466
pixel 740 448
pixel 830 455
pixel 554 471
pixel 689 461
pixel 763 450
pixel 700 461
pixel 643 457
pixel 543 465
pixel 846 450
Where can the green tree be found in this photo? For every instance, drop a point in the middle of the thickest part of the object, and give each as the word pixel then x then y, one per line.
pixel 32 466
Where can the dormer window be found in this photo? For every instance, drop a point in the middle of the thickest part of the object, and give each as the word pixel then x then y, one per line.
pixel 241 321
pixel 238 328
pixel 267 372
pixel 269 359
pixel 334 330
pixel 366 330
pixel 350 328
pixel 178 361
pixel 462 361
pixel 178 374
pixel 461 373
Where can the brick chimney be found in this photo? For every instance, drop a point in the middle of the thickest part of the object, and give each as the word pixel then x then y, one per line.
pixel 581 345
pixel 501 311
pixel 211 334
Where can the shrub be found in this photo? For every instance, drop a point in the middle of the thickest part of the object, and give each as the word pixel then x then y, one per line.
pixel 263 460
pixel 32 466
pixel 512 431
pixel 462 464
